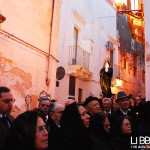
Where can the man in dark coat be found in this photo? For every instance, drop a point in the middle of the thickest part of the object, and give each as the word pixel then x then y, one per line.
pixel 53 123
pixel 44 103
pixel 107 107
pixel 92 105
pixel 124 110
pixel 6 104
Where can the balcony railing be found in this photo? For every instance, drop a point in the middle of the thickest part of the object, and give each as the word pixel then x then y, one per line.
pixel 78 56
pixel 123 74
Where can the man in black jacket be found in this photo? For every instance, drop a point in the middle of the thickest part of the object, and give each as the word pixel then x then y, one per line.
pixel 53 125
pixel 92 105
pixel 44 103
pixel 6 104
pixel 124 110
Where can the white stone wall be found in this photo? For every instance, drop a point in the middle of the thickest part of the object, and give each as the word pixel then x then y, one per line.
pixel 96 24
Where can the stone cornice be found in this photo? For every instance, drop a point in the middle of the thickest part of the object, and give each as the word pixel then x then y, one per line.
pixel 114 41
pixel 78 17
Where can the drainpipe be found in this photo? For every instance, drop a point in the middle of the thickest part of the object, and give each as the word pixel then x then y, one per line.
pixel 51 27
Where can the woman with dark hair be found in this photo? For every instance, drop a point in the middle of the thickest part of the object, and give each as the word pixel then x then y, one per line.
pixel 99 128
pixel 74 134
pixel 122 133
pixel 28 132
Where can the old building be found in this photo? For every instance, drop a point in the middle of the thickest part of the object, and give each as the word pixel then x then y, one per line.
pixel 60 46
pixel 131 63
pixel 28 48
pixel 85 29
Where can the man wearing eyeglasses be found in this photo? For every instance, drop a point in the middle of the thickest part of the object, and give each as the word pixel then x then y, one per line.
pixel 6 105
pixel 44 103
pixel 53 124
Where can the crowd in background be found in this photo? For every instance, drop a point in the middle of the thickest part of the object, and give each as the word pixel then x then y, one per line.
pixel 96 124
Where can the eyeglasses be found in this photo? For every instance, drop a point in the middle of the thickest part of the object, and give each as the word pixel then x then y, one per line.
pixel 107 125
pixel 127 124
pixel 43 105
pixel 7 101
pixel 40 129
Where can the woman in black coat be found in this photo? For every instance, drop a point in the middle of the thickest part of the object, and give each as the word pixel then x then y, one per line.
pixel 28 132
pixel 122 134
pixel 99 128
pixel 74 134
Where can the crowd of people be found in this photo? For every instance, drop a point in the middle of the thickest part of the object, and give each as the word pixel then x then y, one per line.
pixel 96 124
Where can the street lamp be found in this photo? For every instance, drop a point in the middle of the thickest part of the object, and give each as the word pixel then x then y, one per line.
pixel 135 13
pixel 135 16
pixel 118 3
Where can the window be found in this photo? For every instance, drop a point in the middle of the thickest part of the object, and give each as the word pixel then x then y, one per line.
pixel 72 85
pixel 134 5
pixel 79 95
pixel 111 58
pixel 135 59
pixel 143 76
pixel 75 40
pixel 134 71
pixel 124 63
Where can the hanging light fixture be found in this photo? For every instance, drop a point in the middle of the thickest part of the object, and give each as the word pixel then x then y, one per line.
pixel 132 8
pixel 118 3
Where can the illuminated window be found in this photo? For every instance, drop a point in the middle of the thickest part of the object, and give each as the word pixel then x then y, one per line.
pixel 134 5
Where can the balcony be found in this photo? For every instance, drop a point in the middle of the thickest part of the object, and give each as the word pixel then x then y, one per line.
pixel 78 56
pixel 126 75
pixel 79 62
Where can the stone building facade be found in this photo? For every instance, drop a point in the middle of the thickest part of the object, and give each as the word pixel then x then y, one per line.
pixel 60 46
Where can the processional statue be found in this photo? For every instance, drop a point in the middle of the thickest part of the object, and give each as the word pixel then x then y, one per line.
pixel 105 79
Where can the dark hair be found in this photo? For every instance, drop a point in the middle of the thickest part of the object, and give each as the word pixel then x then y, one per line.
pixel 89 99
pixel 117 125
pixel 22 132
pixel 4 89
pixel 97 124
pixel 73 130
pixel 71 117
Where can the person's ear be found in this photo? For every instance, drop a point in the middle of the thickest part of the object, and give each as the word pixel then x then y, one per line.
pixel 51 114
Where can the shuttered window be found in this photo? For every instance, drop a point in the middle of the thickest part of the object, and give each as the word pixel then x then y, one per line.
pixel 72 85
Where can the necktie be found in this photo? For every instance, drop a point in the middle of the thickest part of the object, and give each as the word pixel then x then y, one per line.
pixel 5 121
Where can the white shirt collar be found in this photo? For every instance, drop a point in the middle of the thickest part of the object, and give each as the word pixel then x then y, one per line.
pixel 108 112
pixel 1 115
pixel 125 113
pixel 58 125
